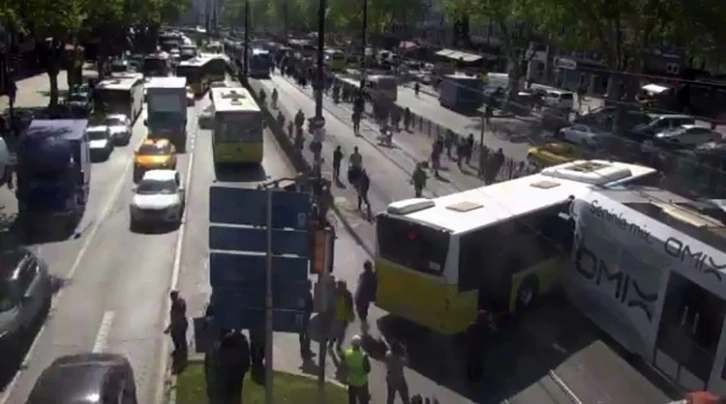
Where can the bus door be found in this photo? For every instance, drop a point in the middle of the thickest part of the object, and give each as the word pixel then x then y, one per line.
pixel 689 332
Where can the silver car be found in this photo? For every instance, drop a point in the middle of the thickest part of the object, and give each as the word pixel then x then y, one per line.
pixel 26 291
pixel 120 127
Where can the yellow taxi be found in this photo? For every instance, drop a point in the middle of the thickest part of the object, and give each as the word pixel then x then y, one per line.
pixel 551 154
pixel 154 154
pixel 190 96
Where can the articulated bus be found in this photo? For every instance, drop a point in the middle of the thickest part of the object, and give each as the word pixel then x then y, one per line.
pixel 650 270
pixel 260 63
pixel 498 247
pixel 237 135
pixel 121 95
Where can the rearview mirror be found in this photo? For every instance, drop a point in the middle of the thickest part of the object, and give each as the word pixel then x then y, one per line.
pixel 146 123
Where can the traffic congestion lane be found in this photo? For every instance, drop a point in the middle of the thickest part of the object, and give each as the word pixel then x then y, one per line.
pixel 113 292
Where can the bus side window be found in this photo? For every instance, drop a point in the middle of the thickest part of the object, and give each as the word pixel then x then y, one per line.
pixel 483 257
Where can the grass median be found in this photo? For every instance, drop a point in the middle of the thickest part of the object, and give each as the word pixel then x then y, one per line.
pixel 288 389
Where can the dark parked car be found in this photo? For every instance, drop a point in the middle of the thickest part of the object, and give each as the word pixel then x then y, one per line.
pixel 26 292
pixel 86 378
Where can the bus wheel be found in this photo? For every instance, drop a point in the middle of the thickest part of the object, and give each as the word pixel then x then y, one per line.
pixel 527 293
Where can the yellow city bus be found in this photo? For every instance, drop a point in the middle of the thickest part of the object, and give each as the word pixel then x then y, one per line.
pixel 193 71
pixel 215 67
pixel 498 247
pixel 336 60
pixel 237 134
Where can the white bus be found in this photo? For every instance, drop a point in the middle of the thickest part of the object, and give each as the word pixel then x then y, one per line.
pixel 378 87
pixel 498 247
pixel 121 95
pixel 650 270
pixel 237 134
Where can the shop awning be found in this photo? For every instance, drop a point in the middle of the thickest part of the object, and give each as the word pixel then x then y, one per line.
pixel 458 55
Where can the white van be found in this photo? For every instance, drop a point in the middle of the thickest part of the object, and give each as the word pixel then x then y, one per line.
pixel 560 99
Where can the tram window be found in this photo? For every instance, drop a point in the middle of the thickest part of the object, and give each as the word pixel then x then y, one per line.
pixel 691 325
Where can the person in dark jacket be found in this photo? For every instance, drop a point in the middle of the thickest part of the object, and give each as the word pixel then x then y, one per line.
pixel 365 292
pixel 178 325
pixel 304 335
pixel 493 166
pixel 476 337
pixel 233 362
pixel 364 183
pixel 337 159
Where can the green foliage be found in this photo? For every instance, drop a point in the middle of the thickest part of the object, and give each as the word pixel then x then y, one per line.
pixel 623 31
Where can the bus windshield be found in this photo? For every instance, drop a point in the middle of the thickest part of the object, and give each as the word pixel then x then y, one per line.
pixel 191 73
pixel 113 100
pixel 238 127
pixel 215 67
pixel 155 66
pixel 412 245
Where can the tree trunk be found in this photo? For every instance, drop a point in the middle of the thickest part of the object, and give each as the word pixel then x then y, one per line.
pixel 52 70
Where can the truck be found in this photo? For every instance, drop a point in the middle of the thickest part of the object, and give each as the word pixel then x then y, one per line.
pixel 460 92
pixel 53 176
pixel 167 110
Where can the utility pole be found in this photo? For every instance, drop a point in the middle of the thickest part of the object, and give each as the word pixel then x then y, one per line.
pixel 285 17
pixel 245 68
pixel 321 62
pixel 364 45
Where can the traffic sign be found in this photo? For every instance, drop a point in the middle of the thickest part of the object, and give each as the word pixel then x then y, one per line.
pixel 246 318
pixel 289 296
pixel 246 271
pixel 239 238
pixel 242 206
pixel 238 257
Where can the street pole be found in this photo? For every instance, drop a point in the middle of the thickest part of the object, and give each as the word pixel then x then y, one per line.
pixel 245 67
pixel 364 44
pixel 323 282
pixel 268 306
pixel 321 62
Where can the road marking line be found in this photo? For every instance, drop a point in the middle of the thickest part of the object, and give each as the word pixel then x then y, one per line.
pixel 99 346
pixel 5 395
pixel 174 282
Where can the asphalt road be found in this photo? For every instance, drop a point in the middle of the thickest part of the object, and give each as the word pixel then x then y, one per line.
pixel 115 283
pixel 553 347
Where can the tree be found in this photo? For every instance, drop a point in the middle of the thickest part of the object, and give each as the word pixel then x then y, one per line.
pixel 54 23
pixel 516 20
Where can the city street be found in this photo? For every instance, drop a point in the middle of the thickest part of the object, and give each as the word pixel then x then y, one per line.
pixel 553 347
pixel 114 283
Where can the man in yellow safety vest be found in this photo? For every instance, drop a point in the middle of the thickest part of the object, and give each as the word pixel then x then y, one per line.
pixel 357 366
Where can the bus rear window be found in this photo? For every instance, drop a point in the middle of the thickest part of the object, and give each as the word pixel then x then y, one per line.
pixel 412 245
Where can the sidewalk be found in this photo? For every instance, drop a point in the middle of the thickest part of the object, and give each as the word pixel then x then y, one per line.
pixel 356 236
pixel 414 144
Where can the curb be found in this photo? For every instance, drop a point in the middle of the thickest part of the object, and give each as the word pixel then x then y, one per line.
pixel 171 381
pixel 302 165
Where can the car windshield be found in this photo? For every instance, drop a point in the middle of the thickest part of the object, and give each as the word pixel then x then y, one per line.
pixel 97 134
pixel 154 150
pixel 77 97
pixel 153 187
pixel 114 121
